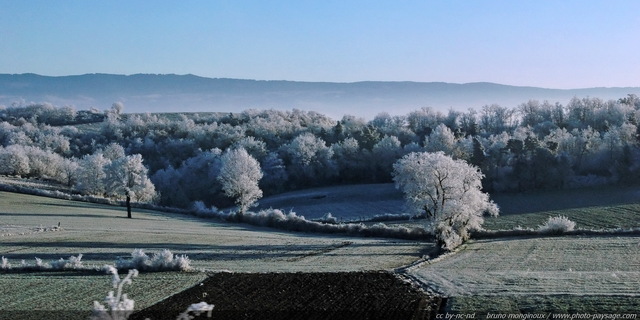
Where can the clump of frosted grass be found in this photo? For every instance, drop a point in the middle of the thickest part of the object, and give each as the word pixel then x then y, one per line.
pixel 118 306
pixel 557 225
pixel 328 218
pixel 5 265
pixel 197 309
pixel 162 261
pixel 41 265
pixel 73 263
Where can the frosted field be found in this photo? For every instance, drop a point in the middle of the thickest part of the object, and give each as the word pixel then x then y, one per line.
pixel 350 202
pixel 103 233
pixel 603 266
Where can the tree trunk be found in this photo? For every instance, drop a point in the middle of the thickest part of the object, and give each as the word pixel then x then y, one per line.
pixel 128 206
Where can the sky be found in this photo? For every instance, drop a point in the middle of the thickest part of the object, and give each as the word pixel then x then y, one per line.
pixel 563 44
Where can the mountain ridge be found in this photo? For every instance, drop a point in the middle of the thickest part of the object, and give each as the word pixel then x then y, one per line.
pixel 190 93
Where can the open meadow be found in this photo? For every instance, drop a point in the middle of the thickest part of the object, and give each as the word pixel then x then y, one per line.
pixel 103 234
pixel 514 275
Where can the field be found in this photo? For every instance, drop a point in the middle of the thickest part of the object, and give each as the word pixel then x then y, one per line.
pixel 510 272
pixel 103 234
pixel 539 266
pixel 353 295
pixel 349 202
pixel 594 208
pixel 515 275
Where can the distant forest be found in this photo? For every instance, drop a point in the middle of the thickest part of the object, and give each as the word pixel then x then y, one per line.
pixel 535 146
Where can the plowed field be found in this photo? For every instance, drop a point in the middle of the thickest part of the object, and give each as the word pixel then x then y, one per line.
pixel 351 295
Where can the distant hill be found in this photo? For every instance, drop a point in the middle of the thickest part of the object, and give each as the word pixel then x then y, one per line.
pixel 189 93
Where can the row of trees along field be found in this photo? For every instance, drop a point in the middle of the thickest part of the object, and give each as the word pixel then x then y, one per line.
pixel 177 159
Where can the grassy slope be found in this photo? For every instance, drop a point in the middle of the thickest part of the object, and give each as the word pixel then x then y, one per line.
pixel 594 208
pixel 348 202
pixel 591 208
pixel 102 234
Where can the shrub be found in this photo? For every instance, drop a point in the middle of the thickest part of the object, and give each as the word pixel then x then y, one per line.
pixel 328 218
pixel 276 218
pixel 163 261
pixel 73 263
pixel 5 264
pixel 557 225
pixel 197 309
pixel 118 307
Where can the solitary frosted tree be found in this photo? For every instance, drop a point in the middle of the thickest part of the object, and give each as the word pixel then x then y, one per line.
pixel 239 176
pixel 128 176
pixel 448 191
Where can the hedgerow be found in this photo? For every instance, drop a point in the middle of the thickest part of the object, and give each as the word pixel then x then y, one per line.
pixel 276 218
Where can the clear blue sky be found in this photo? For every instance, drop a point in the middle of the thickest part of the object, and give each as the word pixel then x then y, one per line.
pixel 554 44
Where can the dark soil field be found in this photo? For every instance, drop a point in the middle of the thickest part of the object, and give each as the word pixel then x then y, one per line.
pixel 353 295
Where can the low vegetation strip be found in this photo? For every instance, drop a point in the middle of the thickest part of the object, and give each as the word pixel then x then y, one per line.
pixel 351 295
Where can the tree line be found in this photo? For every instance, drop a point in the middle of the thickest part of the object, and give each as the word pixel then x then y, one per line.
pixel 178 159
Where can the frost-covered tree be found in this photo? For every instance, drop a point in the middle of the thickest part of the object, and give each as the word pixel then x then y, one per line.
pixel 384 154
pixel 239 176
pixel 113 151
pixel 69 171
pixel 14 161
pixel 495 119
pixel 91 174
pixel 128 176
pixel 441 139
pixel 351 160
pixel 309 159
pixel 448 191
pixel 193 180
pixel 275 174
pixel 256 148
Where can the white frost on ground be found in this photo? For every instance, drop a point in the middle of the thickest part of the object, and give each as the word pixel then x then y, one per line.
pixel 547 266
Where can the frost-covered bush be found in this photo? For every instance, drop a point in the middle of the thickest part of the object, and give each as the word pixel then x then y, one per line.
pixel 162 261
pixel 197 309
pixel 5 264
pixel 118 307
pixel 72 263
pixel 557 225
pixel 328 218
pixel 276 218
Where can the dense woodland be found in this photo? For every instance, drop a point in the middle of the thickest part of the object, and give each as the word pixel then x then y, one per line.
pixel 175 159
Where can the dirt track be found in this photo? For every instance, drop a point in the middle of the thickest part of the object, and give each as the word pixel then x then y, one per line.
pixel 353 295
